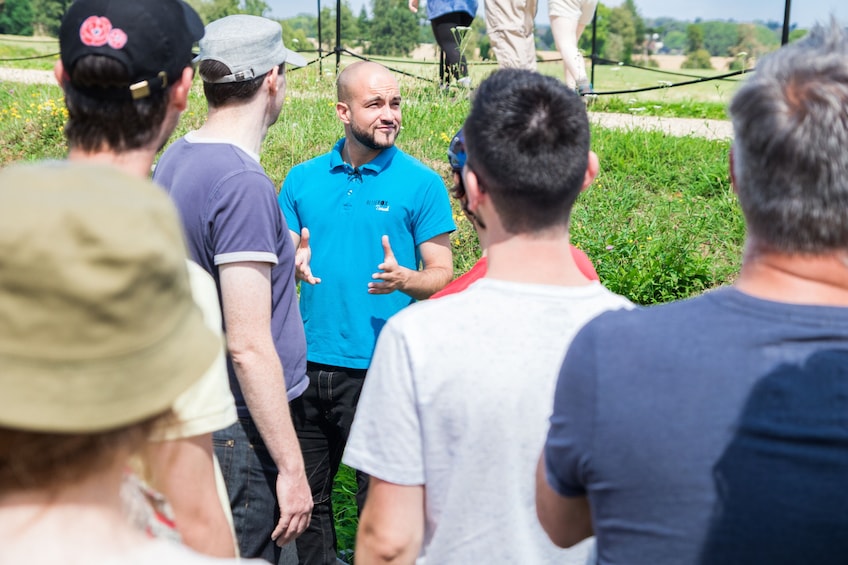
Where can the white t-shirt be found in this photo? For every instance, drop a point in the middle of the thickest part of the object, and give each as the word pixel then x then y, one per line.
pixel 457 399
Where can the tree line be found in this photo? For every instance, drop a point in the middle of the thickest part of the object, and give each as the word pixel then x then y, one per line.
pixel 43 17
pixel 390 28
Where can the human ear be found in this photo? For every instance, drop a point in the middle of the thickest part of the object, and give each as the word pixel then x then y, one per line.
pixel 343 112
pixel 60 74
pixel 732 167
pixel 180 89
pixel 593 167
pixel 473 190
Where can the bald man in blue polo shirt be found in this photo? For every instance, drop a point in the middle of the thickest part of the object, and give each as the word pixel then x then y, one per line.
pixel 372 228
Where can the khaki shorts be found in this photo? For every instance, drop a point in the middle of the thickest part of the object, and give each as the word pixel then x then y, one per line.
pixel 510 27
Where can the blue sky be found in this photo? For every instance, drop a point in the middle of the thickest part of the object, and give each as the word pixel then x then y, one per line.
pixel 803 12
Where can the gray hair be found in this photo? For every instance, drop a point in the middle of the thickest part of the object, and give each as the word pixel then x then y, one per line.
pixel 791 144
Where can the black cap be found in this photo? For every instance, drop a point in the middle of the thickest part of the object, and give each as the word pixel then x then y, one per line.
pixel 153 39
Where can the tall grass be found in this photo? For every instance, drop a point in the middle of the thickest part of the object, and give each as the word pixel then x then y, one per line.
pixel 32 119
pixel 660 222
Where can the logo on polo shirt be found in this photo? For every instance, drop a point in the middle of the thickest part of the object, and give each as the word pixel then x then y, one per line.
pixel 379 205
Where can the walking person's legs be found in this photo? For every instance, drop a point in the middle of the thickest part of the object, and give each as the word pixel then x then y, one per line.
pixel 444 31
pixel 568 21
pixel 509 24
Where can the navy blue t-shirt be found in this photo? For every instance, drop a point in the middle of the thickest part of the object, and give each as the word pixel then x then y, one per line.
pixel 229 210
pixel 782 497
pixel 650 401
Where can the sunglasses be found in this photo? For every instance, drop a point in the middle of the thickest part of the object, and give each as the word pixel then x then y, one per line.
pixel 456 151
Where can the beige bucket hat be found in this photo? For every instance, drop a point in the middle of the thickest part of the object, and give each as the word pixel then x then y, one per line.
pixel 98 328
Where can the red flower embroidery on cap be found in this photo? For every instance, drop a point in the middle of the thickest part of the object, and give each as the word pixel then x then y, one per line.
pixel 94 31
pixel 117 38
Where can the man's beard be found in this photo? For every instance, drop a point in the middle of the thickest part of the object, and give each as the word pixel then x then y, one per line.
pixel 366 138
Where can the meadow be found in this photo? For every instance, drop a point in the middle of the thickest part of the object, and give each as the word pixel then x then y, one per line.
pixel 659 223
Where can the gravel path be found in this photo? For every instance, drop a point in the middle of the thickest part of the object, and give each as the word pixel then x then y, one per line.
pixel 679 127
pixel 27 76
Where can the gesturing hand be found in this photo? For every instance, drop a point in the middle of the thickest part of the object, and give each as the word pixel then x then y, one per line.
pixel 392 276
pixel 302 257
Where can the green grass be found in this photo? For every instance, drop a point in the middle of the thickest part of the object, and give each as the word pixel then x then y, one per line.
pixel 28 52
pixel 614 78
pixel 32 119
pixel 704 100
pixel 659 202
pixel 666 109
pixel 344 510
pixel 660 222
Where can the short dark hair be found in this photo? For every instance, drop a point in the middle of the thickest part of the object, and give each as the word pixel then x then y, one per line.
pixel 226 93
pixel 101 112
pixel 791 134
pixel 527 138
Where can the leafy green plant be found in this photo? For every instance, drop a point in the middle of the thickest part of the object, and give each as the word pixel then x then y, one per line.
pixel 345 512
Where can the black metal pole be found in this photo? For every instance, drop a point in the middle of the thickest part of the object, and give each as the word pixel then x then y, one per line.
pixel 320 45
pixel 595 29
pixel 338 35
pixel 785 38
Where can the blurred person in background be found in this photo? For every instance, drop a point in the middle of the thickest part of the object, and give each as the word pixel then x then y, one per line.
pixel 510 25
pixel 451 20
pixel 568 20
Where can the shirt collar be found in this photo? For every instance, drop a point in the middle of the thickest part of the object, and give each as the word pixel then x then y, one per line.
pixel 192 137
pixel 376 165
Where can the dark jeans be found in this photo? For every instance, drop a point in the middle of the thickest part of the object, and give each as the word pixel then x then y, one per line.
pixel 250 475
pixel 322 418
pixel 455 64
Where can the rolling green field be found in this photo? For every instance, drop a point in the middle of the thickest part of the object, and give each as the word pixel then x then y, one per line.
pixel 27 52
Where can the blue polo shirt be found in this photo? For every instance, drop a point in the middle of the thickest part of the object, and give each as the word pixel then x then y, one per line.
pixel 347 212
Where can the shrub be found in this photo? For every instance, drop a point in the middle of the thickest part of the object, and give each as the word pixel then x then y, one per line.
pixel 699 59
